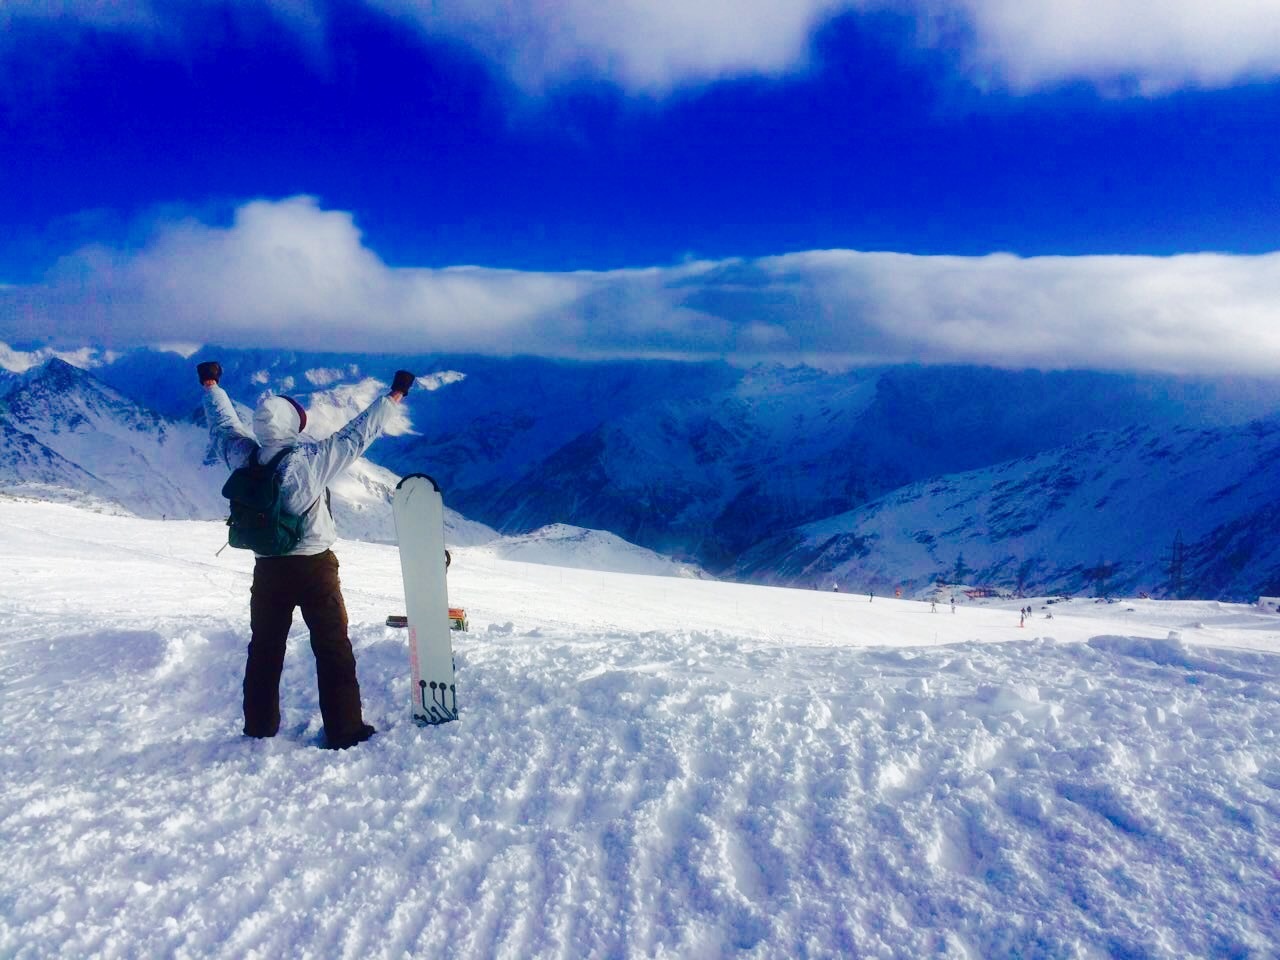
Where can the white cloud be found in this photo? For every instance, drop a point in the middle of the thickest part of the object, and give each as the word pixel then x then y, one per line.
pixel 184 350
pixel 654 46
pixel 434 381
pixel 646 45
pixel 323 376
pixel 283 274
pixel 641 45
pixel 290 274
pixel 19 361
pixel 1158 46
pixel 1189 313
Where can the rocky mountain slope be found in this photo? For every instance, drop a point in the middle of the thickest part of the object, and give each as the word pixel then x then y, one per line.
pixel 1172 513
pixel 73 433
pixel 66 435
pixel 748 474
pixel 708 477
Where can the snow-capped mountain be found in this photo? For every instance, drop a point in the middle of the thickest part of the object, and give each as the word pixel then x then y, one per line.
pixel 708 477
pixel 677 475
pixel 68 436
pixel 361 505
pixel 492 429
pixel 73 433
pixel 699 461
pixel 488 422
pixel 13 360
pixel 696 460
pixel 97 448
pixel 1183 512
pixel 27 465
pixel 561 545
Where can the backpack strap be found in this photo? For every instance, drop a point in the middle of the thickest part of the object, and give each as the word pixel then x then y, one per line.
pixel 274 463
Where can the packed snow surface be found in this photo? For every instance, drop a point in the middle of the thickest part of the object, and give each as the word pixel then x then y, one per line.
pixel 561 544
pixel 645 767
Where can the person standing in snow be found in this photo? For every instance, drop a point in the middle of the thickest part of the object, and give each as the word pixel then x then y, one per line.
pixel 307 576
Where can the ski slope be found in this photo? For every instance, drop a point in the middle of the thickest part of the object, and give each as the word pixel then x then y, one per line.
pixel 645 767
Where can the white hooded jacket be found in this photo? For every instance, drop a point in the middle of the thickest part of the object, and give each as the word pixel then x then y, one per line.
pixel 309 468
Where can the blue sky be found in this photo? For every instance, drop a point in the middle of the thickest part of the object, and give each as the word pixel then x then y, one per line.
pixel 584 155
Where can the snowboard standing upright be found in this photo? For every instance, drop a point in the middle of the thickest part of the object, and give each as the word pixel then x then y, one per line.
pixel 419 515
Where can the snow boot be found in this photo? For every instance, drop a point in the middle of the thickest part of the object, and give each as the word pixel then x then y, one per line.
pixel 360 736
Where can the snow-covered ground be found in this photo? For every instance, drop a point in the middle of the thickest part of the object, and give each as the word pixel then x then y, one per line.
pixel 644 767
pixel 561 544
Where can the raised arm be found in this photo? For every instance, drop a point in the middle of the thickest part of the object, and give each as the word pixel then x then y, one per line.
pixel 234 439
pixel 328 458
pixel 322 462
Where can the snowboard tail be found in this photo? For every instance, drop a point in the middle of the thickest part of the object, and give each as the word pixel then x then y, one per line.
pixel 419 516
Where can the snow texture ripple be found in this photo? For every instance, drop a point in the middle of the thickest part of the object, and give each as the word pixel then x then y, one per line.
pixel 646 767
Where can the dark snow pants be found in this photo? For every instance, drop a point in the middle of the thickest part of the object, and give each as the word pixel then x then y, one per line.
pixel 279 585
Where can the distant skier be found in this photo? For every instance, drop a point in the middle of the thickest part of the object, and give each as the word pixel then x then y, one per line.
pixel 305 576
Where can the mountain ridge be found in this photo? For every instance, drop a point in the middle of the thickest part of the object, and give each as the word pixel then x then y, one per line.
pixel 726 469
pixel 1101 515
pixel 69 408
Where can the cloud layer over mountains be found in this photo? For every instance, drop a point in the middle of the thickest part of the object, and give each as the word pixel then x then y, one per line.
pixel 292 274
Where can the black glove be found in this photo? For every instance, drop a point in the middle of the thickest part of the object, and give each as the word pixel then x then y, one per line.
pixel 403 381
pixel 209 370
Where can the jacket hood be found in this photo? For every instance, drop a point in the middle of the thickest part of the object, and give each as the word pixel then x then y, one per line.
pixel 278 421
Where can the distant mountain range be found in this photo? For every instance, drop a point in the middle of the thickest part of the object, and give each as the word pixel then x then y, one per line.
pixel 1181 512
pixel 67 436
pixel 709 476
pixel 872 478
pixel 66 431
